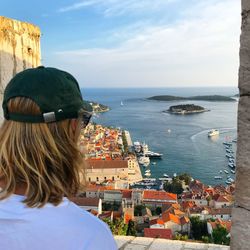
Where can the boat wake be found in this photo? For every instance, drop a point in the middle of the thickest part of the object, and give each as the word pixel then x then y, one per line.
pixel 222 131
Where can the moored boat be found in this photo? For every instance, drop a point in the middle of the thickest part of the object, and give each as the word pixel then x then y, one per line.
pixel 213 132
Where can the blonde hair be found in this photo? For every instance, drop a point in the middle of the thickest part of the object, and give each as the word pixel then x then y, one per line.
pixel 42 156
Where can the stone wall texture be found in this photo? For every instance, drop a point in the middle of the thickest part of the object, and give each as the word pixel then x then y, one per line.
pixel 143 243
pixel 240 232
pixel 19 49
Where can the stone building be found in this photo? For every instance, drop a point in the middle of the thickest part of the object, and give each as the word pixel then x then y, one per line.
pixel 19 49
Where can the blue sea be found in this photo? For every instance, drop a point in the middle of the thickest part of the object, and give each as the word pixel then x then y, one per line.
pixel 182 139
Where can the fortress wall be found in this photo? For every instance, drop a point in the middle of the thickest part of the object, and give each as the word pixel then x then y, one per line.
pixel 19 49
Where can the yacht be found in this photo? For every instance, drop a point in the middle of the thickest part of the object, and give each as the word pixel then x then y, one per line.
pixel 137 147
pixel 220 171
pixel 122 103
pixel 151 154
pixel 232 171
pixel 147 174
pixel 165 175
pixel 228 182
pixel 217 177
pixel 213 132
pixel 226 171
pixel 144 160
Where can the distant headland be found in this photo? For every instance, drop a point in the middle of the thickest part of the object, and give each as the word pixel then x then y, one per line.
pixel 210 98
pixel 184 109
pixel 99 108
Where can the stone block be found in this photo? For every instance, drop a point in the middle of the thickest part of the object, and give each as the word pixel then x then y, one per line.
pixel 135 247
pixel 245 4
pixel 217 247
pixel 142 241
pixel 242 194
pixel 240 232
pixel 121 241
pixel 192 245
pixel 161 244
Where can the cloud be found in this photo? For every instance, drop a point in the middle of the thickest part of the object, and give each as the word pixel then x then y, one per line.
pixel 199 49
pixel 118 7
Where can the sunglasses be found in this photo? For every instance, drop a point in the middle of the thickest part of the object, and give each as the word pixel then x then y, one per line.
pixel 85 119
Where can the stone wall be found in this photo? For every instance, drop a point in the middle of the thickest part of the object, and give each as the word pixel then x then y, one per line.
pixel 240 232
pixel 19 49
pixel 139 243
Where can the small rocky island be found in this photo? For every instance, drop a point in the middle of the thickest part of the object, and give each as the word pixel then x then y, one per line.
pixel 209 98
pixel 99 108
pixel 185 109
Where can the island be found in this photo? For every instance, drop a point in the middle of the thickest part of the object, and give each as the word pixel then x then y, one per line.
pixel 185 109
pixel 210 98
pixel 99 108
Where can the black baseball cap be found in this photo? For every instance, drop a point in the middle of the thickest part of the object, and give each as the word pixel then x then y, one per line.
pixel 56 92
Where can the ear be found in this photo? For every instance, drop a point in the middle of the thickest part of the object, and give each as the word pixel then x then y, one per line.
pixel 73 123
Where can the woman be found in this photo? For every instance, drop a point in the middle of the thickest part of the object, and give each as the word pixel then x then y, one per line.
pixel 40 166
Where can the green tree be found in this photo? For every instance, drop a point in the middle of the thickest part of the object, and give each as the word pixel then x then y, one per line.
pixel 198 228
pixel 138 210
pixel 185 177
pixel 158 210
pixel 131 228
pixel 117 227
pixel 174 187
pixel 220 235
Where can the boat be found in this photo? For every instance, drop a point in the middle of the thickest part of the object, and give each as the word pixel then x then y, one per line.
pixel 220 172
pixel 213 132
pixel 151 154
pixel 137 147
pixel 122 103
pixel 231 165
pixel 227 143
pixel 144 148
pixel 217 177
pixel 226 171
pixel 232 171
pixel 228 182
pixel 234 140
pixel 154 163
pixel 147 171
pixel 147 174
pixel 174 175
pixel 144 160
pixel 229 156
pixel 165 175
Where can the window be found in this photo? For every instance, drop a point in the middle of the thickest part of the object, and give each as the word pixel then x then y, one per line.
pixel 89 179
pixel 105 178
pixel 113 178
pixel 97 178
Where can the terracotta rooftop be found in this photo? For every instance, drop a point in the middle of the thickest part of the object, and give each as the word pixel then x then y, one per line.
pixel 226 224
pixel 83 201
pixel 163 233
pixel 159 195
pixel 105 164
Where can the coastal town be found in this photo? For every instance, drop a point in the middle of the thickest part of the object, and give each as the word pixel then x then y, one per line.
pixel 177 207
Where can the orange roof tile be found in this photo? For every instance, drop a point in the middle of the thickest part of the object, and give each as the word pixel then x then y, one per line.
pixel 158 195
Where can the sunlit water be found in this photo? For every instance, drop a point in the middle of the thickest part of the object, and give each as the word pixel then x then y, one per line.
pixel 182 139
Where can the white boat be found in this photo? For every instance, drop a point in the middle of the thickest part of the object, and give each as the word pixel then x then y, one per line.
pixel 147 171
pixel 151 154
pixel 122 103
pixel 213 132
pixel 137 147
pixel 220 172
pixel 217 177
pixel 232 171
pixel 154 163
pixel 147 174
pixel 144 147
pixel 174 175
pixel 226 171
pixel 227 143
pixel 234 140
pixel 165 175
pixel 228 182
pixel 144 160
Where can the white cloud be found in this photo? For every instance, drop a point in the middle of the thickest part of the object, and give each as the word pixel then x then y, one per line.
pixel 201 49
pixel 118 7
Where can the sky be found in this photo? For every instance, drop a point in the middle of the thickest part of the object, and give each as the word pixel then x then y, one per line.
pixel 137 43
